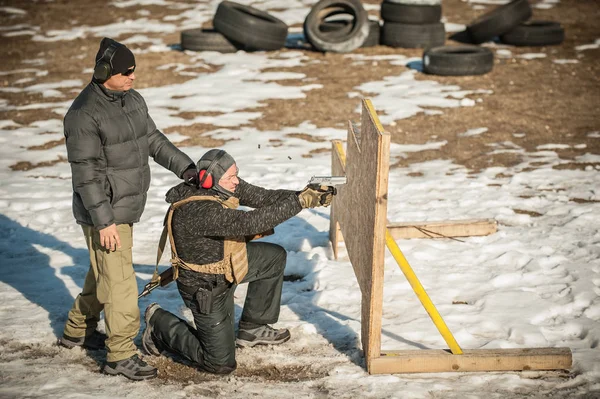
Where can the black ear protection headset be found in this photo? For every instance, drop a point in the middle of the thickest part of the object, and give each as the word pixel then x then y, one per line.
pixel 205 175
pixel 104 67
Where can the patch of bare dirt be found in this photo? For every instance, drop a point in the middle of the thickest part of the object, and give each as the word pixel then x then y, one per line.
pixel 23 351
pixel 255 367
pixel 197 135
pixel 48 145
pixel 27 351
pixel 526 212
pixel 26 165
pixel 306 137
pixel 192 115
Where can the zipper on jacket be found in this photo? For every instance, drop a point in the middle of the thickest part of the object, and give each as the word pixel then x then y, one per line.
pixel 135 140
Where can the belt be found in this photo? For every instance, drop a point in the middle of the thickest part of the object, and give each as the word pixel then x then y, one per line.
pixel 216 291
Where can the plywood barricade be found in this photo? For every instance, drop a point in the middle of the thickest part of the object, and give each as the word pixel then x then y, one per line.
pixel 358 217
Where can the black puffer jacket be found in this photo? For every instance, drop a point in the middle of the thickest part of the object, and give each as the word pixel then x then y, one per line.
pixel 109 136
pixel 199 227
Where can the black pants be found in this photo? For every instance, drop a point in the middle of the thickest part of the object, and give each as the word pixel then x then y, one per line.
pixel 211 345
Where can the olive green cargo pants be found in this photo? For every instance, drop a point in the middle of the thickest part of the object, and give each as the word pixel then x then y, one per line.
pixel 110 285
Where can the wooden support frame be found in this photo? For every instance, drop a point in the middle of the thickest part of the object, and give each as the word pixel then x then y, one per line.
pixel 358 214
pixel 437 360
pixel 441 229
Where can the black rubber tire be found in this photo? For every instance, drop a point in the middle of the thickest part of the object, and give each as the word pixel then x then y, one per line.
pixel 458 60
pixel 206 40
pixel 344 27
pixel 410 13
pixel 499 21
pixel 374 34
pixel 252 28
pixel 535 33
pixel 395 34
pixel 335 27
pixel 339 43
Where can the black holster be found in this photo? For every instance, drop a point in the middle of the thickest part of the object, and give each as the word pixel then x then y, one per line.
pixel 205 294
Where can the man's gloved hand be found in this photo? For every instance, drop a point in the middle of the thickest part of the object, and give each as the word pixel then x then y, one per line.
pixel 190 176
pixel 315 195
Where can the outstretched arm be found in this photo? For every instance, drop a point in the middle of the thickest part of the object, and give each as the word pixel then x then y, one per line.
pixel 258 197
pixel 223 222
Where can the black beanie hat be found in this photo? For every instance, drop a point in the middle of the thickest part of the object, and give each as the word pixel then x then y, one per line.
pixel 219 168
pixel 123 58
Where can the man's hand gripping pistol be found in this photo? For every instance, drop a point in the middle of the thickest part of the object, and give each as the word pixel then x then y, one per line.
pixel 326 185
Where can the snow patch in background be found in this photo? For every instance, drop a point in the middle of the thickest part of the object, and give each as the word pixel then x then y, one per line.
pixel 473 132
pixel 13 10
pixel 402 96
pixel 591 46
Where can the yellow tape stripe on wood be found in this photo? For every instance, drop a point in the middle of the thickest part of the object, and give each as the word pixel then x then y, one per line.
pixel 340 151
pixel 374 115
pixel 422 294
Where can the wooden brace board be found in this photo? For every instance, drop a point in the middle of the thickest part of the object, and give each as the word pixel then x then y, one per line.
pixel 441 229
pixel 437 360
pixel 358 214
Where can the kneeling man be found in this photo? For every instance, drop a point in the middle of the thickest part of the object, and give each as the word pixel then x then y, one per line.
pixel 212 255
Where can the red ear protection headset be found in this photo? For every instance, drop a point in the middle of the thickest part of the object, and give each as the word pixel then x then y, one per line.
pixel 205 175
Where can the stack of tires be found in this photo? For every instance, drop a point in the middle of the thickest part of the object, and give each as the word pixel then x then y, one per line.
pixel 237 27
pixel 411 25
pixel 510 23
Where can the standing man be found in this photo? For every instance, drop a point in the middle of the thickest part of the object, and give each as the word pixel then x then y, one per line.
pixel 211 257
pixel 109 136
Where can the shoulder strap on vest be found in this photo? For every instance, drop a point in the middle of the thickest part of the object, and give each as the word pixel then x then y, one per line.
pixel 167 232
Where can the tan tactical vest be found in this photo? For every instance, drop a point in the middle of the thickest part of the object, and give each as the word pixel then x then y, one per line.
pixel 234 264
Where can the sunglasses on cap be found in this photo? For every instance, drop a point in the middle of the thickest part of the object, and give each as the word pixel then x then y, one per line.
pixel 128 72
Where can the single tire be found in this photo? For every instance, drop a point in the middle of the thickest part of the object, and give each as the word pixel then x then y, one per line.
pixel 340 27
pixel 410 13
pixel 535 33
pixel 344 27
pixel 252 28
pixel 374 34
pixel 206 40
pixel 340 43
pixel 458 60
pixel 416 2
pixel 499 21
pixel 395 34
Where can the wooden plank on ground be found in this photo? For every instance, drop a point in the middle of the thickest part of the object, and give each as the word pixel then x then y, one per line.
pixel 441 229
pixel 435 361
pixel 360 209
pixel 448 228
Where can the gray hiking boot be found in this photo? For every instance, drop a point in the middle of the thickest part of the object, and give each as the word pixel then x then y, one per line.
pixel 262 335
pixel 147 342
pixel 94 341
pixel 133 368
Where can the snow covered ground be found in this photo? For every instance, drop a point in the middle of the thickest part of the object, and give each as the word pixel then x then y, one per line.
pixel 535 283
